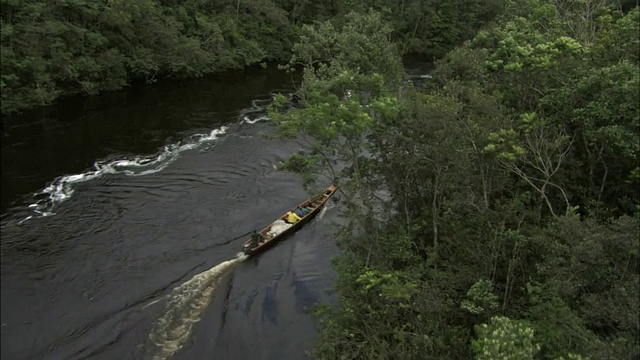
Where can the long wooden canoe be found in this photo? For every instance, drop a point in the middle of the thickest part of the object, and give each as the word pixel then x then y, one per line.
pixel 268 237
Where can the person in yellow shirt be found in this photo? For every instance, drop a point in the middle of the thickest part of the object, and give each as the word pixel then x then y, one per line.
pixel 292 217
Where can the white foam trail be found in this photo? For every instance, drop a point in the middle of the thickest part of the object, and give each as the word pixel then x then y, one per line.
pixel 184 308
pixel 246 119
pixel 324 209
pixel 321 214
pixel 151 303
pixel 25 219
pixel 62 188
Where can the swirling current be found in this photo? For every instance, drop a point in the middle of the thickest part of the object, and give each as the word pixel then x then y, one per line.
pixel 122 219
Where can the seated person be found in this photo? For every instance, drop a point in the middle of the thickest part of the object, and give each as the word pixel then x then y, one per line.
pixel 255 239
pixel 301 211
pixel 292 218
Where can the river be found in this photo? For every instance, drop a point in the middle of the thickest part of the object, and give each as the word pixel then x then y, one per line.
pixel 122 218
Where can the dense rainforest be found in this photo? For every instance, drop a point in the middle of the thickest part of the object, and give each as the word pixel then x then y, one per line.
pixel 493 211
pixel 56 48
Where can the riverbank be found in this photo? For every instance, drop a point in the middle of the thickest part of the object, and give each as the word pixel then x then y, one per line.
pixel 53 50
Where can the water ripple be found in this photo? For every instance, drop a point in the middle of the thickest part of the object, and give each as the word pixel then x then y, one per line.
pixel 64 187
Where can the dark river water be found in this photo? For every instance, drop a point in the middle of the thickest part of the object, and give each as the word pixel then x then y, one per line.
pixel 122 219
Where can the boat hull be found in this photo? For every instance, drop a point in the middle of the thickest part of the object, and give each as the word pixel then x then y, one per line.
pixel 314 204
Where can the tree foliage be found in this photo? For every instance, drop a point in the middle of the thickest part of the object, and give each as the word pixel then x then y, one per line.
pixel 54 49
pixel 493 213
pixel 504 339
pixel 51 49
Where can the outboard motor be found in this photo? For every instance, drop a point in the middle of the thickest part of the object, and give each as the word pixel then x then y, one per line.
pixel 246 248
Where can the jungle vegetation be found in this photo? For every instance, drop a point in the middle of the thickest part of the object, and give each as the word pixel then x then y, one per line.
pixel 55 48
pixel 492 212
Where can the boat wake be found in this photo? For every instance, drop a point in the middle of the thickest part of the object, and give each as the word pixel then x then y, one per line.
pixel 184 308
pixel 326 207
